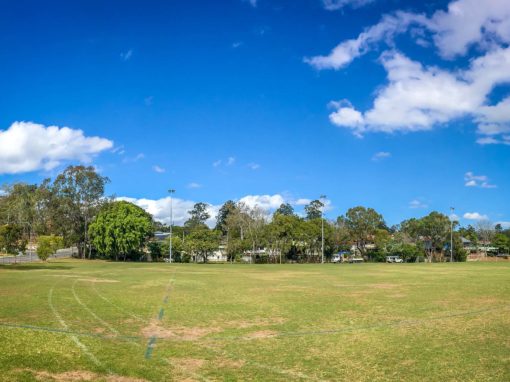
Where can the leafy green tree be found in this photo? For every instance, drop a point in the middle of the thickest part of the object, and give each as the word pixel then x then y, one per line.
pixel 48 245
pixel 11 239
pixel 363 224
pixel 502 242
pixel 78 193
pixel 120 229
pixel 284 209
pixel 314 210
pixel 221 219
pixel 202 242
pixel 198 216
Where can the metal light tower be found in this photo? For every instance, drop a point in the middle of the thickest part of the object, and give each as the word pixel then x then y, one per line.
pixel 322 226
pixel 171 192
pixel 451 234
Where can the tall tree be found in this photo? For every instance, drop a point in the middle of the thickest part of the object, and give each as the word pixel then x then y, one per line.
pixel 285 209
pixel 314 210
pixel 202 242
pixel 198 216
pixel 363 224
pixel 121 229
pixel 221 219
pixel 79 194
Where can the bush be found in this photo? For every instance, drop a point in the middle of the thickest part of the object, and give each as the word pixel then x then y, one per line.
pixel 48 245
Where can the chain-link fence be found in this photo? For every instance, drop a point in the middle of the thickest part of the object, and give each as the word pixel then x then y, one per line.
pixel 31 256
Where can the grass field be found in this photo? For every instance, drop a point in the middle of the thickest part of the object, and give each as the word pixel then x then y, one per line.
pixel 91 320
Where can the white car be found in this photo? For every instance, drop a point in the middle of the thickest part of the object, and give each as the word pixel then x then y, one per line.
pixel 394 259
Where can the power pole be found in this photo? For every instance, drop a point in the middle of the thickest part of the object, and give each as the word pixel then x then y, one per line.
pixel 451 234
pixel 322 227
pixel 171 191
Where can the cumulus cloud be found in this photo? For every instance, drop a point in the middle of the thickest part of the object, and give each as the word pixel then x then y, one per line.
pixel 475 216
pixel 419 97
pixel 265 202
pixel 28 146
pixel 472 180
pixel 334 5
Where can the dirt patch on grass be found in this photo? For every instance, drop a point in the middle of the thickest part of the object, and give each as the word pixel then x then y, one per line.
pixel 261 334
pixel 188 364
pixel 155 329
pixel 229 363
pixel 81 376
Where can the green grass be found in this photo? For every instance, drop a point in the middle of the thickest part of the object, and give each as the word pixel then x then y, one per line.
pixel 91 320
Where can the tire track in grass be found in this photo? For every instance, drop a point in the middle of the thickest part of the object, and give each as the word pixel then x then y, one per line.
pixel 73 337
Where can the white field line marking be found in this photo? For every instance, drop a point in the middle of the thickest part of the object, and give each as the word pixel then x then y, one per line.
pixel 103 322
pixel 122 310
pixel 75 339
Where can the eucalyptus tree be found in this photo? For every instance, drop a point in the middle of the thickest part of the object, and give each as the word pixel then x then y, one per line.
pixel 79 194
pixel 198 216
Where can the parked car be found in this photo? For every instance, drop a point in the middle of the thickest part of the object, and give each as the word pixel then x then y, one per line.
pixel 354 260
pixel 394 259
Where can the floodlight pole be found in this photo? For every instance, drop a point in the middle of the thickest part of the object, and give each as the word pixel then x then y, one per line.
pixel 451 234
pixel 171 191
pixel 322 227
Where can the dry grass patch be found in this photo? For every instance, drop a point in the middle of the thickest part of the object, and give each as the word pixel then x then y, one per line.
pixel 261 334
pixel 81 376
pixel 94 280
pixel 154 329
pixel 245 324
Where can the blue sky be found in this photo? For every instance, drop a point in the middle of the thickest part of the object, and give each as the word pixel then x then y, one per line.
pixel 397 105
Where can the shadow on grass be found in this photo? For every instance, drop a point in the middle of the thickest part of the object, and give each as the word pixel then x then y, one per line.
pixel 32 267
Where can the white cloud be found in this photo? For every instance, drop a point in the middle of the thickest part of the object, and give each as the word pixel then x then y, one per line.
pixel 158 169
pixel 380 156
pixel 231 161
pixel 419 97
pixel 253 3
pixel 254 166
pixel 265 202
pixel 216 163
pixel 194 185
pixel 333 5
pixel 126 55
pixel 237 44
pixel 160 209
pixel 475 216
pixel 416 203
pixel 225 162
pixel 302 202
pixel 472 180
pixel 28 146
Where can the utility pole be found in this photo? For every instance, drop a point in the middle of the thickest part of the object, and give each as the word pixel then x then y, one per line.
pixel 451 234
pixel 322 227
pixel 171 192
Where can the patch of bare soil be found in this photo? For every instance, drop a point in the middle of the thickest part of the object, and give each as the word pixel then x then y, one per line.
pixel 81 376
pixel 229 363
pixel 154 329
pixel 261 334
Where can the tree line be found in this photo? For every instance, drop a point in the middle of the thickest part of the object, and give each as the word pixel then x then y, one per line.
pixel 72 210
